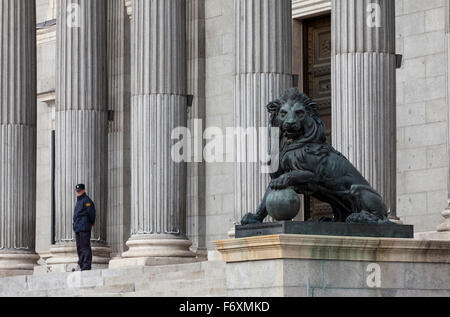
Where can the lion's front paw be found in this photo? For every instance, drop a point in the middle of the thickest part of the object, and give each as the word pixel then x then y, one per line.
pixel 280 183
pixel 250 219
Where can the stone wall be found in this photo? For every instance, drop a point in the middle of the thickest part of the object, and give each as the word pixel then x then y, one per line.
pixel 219 198
pixel 43 188
pixel 42 7
pixel 119 147
pixel 422 113
pixel 46 50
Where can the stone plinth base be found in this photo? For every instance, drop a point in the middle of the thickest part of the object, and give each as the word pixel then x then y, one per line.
pixel 64 257
pixel 326 229
pixel 17 263
pixel 296 265
pixel 154 250
pixel 334 248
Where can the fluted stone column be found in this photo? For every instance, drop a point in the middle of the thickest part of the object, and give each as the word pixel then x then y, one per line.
pixel 81 122
pixel 159 105
pixel 17 137
pixel 364 90
pixel 263 48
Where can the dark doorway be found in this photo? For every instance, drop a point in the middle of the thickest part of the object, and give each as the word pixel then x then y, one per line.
pixel 317 84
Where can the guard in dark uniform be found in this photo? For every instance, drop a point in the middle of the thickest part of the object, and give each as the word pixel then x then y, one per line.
pixel 83 221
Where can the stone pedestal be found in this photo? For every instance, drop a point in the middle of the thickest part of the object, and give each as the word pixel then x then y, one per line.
pixel 316 266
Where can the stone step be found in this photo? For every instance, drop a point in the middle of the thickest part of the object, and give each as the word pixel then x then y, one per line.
pixel 143 271
pixel 177 285
pixel 61 281
pixel 195 279
pixel 110 290
pixel 178 288
pixel 212 292
pixel 153 277
pixel 107 295
pixel 10 286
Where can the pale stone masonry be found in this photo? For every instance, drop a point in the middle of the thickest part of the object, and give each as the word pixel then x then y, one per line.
pixel 17 136
pixel 46 68
pixel 119 148
pixel 422 112
pixel 219 72
pixel 196 81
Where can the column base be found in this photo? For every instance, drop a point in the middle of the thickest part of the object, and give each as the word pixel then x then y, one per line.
pixel 17 263
pixel 64 257
pixel 202 254
pixel 154 250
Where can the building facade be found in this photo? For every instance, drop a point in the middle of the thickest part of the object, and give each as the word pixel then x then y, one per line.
pixel 115 77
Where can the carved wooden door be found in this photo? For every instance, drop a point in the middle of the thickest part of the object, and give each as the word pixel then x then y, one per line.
pixel 317 84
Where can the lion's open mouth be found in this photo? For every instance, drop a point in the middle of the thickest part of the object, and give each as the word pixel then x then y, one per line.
pixel 292 134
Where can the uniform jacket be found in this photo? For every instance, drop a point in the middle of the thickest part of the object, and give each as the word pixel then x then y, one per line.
pixel 84 215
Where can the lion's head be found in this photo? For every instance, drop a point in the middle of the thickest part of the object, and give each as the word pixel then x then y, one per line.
pixel 297 116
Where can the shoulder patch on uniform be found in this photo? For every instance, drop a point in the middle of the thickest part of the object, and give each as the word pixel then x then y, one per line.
pixel 88 205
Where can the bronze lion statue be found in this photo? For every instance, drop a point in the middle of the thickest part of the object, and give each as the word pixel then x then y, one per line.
pixel 311 166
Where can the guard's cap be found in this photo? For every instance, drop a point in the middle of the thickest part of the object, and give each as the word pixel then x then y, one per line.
pixel 80 187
